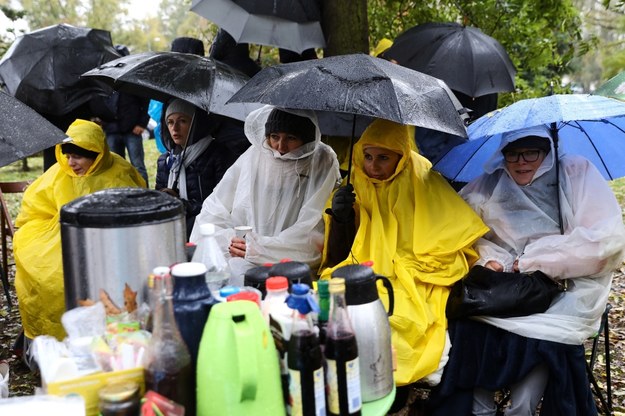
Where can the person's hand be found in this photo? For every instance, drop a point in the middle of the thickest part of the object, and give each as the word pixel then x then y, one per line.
pixel 171 192
pixel 137 130
pixel 515 266
pixel 237 247
pixel 493 265
pixel 343 203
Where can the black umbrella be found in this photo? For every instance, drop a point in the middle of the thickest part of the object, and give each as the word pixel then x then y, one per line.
pixel 357 84
pixel 464 57
pixel 360 85
pixel 202 81
pixel 42 68
pixel 23 131
pixel 287 24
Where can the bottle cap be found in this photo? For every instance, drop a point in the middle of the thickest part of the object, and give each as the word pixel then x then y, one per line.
pixel 118 392
pixel 301 299
pixel 300 289
pixel 251 296
pixel 226 291
pixel 337 285
pixel 277 283
pixel 160 270
pixel 188 269
pixel 207 229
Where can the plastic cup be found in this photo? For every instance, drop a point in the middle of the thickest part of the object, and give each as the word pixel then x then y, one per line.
pixel 242 230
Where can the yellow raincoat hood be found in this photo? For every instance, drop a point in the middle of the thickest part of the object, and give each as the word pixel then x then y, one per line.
pixel 419 233
pixel 37 243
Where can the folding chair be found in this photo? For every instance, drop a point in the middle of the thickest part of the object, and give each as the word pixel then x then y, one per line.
pixel 7 230
pixel 606 401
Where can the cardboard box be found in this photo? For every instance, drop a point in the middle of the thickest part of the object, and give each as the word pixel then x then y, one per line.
pixel 89 386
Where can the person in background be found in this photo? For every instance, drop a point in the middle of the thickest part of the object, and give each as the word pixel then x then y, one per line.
pixel 84 165
pixel 286 56
pixel 539 355
pixel 155 108
pixel 278 187
pixel 418 232
pixel 126 129
pixel 225 49
pixel 194 162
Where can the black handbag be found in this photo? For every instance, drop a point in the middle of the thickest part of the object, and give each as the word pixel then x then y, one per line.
pixel 487 292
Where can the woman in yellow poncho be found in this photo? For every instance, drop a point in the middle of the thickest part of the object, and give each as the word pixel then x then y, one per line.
pixel 84 165
pixel 417 231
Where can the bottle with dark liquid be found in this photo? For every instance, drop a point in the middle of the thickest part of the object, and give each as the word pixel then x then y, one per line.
pixel 169 371
pixel 341 352
pixel 306 378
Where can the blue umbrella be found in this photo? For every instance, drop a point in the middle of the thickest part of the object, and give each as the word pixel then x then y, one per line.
pixel 587 125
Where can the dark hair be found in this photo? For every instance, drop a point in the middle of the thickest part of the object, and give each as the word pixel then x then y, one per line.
pixel 529 142
pixel 188 45
pixel 77 150
pixel 281 121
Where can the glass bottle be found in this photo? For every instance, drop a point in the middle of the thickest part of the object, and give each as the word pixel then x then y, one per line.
pixel 209 253
pixel 119 399
pixel 169 371
pixel 323 293
pixel 152 297
pixel 341 352
pixel 306 378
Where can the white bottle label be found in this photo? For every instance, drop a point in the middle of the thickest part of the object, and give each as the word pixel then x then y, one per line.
pixel 352 375
pixel 295 393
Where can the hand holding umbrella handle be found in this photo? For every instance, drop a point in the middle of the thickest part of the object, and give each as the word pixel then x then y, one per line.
pixel 343 203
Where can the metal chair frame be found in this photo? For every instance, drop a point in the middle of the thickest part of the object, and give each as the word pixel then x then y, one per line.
pixel 7 229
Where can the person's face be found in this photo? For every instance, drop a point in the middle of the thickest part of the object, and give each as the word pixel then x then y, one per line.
pixel 380 163
pixel 179 125
pixel 523 163
pixel 79 164
pixel 284 142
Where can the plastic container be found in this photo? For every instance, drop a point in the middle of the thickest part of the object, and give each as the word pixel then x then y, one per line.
pixel 209 253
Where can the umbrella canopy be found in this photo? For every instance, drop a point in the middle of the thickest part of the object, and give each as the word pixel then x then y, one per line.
pixel 613 88
pixel 464 57
pixel 587 125
pixel 23 131
pixel 42 68
pixel 287 24
pixel 359 85
pixel 202 81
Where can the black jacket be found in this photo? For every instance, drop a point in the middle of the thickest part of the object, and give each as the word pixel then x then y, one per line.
pixel 205 172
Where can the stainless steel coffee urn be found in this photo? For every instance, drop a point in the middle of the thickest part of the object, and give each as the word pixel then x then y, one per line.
pixel 111 241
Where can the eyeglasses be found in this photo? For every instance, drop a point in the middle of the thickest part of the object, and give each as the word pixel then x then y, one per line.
pixel 528 156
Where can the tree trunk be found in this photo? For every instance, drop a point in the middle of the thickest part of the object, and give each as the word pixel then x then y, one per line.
pixel 345 27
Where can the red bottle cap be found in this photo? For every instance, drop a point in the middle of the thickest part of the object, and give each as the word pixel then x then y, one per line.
pixel 286 260
pixel 251 296
pixel 368 263
pixel 277 283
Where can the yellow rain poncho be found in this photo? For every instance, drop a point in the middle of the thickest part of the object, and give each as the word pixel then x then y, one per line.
pixel 37 242
pixel 419 233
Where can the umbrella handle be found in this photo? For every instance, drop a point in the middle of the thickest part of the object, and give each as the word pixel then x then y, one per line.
pixel 260 48
pixel 351 149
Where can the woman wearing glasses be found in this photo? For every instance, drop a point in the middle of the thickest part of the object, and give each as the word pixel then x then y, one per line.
pixel 540 355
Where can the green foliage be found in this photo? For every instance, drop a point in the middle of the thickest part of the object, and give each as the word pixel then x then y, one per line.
pixel 541 51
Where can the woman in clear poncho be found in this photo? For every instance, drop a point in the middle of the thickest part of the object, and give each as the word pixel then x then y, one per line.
pixel 279 193
pixel 541 351
pixel 417 231
pixel 37 242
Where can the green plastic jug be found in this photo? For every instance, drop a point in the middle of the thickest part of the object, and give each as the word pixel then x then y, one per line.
pixel 237 369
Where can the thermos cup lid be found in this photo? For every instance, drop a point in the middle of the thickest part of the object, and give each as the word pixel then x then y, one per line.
pixel 115 207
